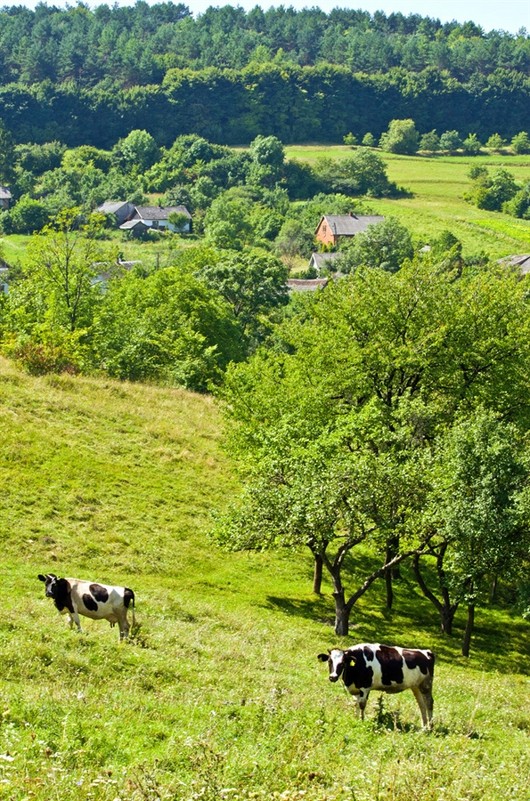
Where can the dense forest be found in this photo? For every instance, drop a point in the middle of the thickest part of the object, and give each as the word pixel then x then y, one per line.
pixel 231 75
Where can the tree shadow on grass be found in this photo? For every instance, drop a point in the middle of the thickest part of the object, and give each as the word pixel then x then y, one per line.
pixel 319 609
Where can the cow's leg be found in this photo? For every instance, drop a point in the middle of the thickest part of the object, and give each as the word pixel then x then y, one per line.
pixel 424 698
pixel 362 700
pixel 124 625
pixel 73 617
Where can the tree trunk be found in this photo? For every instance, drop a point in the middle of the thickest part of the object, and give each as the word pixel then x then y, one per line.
pixel 389 588
pixel 317 574
pixel 466 642
pixel 447 616
pixel 445 608
pixel 342 614
pixel 391 573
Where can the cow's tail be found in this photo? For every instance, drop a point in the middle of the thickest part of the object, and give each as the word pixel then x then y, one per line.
pixel 130 601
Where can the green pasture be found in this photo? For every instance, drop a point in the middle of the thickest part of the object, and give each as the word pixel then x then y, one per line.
pixel 219 694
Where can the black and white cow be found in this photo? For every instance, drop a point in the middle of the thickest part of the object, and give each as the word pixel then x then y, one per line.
pixel 97 601
pixel 388 668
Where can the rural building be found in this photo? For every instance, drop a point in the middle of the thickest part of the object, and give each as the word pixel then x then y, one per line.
pixel 522 262
pixel 4 272
pixel 147 218
pixel 121 210
pixel 334 227
pixel 322 261
pixel 5 197
pixel 306 284
pixel 108 270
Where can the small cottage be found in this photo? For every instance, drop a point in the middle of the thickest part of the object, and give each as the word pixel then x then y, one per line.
pixel 159 218
pixel 121 210
pixel 5 198
pixel 334 227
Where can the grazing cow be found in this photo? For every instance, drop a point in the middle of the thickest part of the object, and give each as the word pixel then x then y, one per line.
pixel 98 601
pixel 384 667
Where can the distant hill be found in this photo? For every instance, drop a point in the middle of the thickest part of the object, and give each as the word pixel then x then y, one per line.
pixel 230 75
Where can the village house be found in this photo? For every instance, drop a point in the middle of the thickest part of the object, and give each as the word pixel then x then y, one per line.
pixel 147 218
pixel 334 227
pixel 5 198
pixel 121 210
pixel 522 262
pixel 322 261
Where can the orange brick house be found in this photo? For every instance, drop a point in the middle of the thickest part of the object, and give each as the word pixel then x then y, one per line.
pixel 333 227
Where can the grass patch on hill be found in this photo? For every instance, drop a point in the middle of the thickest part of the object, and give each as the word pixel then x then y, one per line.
pixel 219 694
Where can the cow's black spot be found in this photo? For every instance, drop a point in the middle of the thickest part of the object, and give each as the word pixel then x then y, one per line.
pixel 359 673
pixel 128 596
pixel 100 593
pixel 89 602
pixel 391 665
pixel 62 595
pixel 417 659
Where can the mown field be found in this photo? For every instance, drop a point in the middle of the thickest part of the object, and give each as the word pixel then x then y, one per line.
pixel 219 694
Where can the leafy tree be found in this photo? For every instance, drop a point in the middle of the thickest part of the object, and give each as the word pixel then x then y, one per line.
pixel 369 140
pixel 478 506
pixel 227 224
pixel 350 139
pixel 335 427
pixel 430 142
pixel 401 137
pixel 495 142
pixel 166 327
pixel 28 216
pixel 519 205
pixel 521 143
pixel 450 141
pixel 136 152
pixel 37 159
pixel 361 173
pixel 63 263
pixel 492 191
pixel 267 159
pixel 387 245
pixel 253 283
pixel 294 240
pixel 472 145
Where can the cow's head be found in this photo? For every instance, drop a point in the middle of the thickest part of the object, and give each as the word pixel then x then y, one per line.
pixel 50 584
pixel 337 660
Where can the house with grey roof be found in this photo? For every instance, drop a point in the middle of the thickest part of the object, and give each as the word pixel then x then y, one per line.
pixel 5 197
pixel 522 262
pixel 147 218
pixel 120 209
pixel 322 261
pixel 334 227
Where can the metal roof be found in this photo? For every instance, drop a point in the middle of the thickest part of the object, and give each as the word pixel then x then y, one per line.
pixel 349 224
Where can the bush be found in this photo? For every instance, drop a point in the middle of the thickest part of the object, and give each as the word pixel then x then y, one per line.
pixel 39 358
pixel 521 143
pixel 401 137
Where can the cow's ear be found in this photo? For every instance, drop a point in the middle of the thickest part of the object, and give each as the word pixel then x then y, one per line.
pixel 41 577
pixel 349 658
pixel 323 657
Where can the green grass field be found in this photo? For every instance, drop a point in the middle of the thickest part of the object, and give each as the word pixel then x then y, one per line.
pixel 219 694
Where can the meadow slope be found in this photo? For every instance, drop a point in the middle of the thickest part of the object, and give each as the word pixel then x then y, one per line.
pixel 219 694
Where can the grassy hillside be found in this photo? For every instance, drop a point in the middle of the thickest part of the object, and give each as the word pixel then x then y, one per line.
pixel 219 695
pixel 437 185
